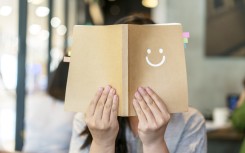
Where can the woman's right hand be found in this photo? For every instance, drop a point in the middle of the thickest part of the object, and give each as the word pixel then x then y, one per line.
pixel 101 119
pixel 153 118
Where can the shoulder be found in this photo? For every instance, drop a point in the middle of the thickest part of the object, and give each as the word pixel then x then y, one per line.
pixel 77 139
pixel 189 121
pixel 79 122
pixel 186 130
pixel 193 116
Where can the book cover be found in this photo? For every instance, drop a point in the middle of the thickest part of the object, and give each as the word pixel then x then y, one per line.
pixel 126 57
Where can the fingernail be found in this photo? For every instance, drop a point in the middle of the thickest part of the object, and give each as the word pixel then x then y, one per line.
pixel 137 95
pixel 149 90
pixel 112 91
pixel 107 88
pixel 100 89
pixel 141 90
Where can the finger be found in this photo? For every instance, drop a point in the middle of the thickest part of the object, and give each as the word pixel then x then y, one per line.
pixel 100 105
pixel 114 108
pixel 139 112
pixel 151 104
pixel 146 110
pixel 93 103
pixel 108 106
pixel 159 102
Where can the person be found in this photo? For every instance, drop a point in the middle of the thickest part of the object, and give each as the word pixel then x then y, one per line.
pixel 48 128
pixel 238 116
pixel 154 129
pixel 241 99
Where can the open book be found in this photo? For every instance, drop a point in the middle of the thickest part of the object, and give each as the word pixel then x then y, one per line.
pixel 126 57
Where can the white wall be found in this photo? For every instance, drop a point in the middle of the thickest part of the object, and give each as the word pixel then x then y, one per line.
pixel 210 79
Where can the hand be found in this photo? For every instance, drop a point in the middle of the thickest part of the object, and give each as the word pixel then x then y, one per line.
pixel 101 117
pixel 153 119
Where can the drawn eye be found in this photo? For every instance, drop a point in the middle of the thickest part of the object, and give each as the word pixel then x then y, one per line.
pixel 148 51
pixel 161 50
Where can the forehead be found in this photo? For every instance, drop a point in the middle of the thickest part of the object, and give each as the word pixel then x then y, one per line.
pixel 155 37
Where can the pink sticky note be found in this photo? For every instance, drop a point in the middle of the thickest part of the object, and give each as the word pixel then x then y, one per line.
pixel 186 34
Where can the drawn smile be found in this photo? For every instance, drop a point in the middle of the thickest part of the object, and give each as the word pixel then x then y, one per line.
pixel 158 64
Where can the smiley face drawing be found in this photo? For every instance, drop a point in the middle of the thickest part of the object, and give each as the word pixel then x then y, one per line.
pixel 158 64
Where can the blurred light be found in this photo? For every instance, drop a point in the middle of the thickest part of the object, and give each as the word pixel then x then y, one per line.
pixel 57 55
pixel 111 0
pixel 114 10
pixel 35 2
pixel 42 11
pixel 34 29
pixel 61 30
pixel 8 69
pixel 44 34
pixel 5 10
pixel 55 22
pixel 96 13
pixel 150 3
pixel 7 124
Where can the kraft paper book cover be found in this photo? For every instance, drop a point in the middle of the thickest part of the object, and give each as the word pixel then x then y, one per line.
pixel 126 57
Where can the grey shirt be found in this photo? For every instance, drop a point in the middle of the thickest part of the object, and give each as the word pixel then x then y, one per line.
pixel 185 133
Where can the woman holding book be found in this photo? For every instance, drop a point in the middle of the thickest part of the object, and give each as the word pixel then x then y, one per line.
pixel 154 129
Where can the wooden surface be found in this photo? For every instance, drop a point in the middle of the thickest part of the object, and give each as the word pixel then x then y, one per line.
pixel 226 134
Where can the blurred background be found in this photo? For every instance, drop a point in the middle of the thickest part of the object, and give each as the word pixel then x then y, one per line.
pixel 36 34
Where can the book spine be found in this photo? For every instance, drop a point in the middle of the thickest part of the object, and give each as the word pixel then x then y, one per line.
pixel 124 103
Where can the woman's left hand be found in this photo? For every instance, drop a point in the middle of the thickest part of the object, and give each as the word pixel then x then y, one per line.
pixel 153 118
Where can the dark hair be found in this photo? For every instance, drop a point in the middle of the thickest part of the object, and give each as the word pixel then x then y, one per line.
pixel 121 143
pixel 136 19
pixel 58 79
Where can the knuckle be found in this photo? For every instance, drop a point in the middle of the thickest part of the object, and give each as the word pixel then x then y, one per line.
pixel 104 126
pixel 150 101
pixel 108 106
pixel 138 111
pixel 140 100
pixel 109 98
pixel 100 127
pixel 114 109
pixel 144 93
pixel 167 117
pixel 100 104
pixel 146 108
pixel 146 128
pixel 91 124
pixel 153 126
pixel 160 121
pixel 111 94
pixel 154 95
pixel 104 94
pixel 142 128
